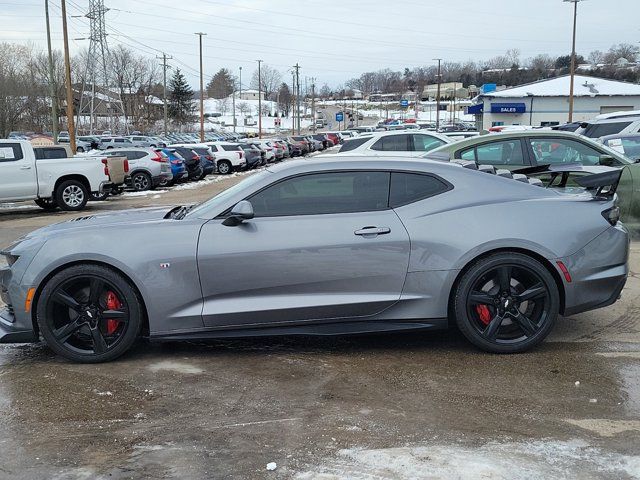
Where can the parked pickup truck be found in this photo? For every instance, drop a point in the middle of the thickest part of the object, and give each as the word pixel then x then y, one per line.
pixel 40 174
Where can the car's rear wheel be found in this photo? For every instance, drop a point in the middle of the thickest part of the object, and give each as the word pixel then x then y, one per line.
pixel 506 303
pixel 89 313
pixel 224 167
pixel 141 181
pixel 71 195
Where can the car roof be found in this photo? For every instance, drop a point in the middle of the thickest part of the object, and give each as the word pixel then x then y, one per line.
pixel 619 114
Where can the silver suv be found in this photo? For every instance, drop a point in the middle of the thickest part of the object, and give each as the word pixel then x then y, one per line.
pixel 610 124
pixel 107 143
pixel 143 141
pixel 148 167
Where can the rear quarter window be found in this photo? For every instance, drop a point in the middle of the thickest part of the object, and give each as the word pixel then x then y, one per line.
pixel 352 144
pixel 408 188
pixel 597 130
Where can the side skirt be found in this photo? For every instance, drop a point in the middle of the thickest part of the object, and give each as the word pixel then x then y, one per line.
pixel 316 329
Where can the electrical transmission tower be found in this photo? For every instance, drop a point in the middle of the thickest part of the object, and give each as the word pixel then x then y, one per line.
pixel 97 99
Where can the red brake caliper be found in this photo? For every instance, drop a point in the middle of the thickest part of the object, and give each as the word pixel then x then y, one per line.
pixel 484 314
pixel 112 304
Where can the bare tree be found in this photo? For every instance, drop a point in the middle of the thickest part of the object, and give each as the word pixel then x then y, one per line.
pixel 222 105
pixel 243 107
pixel 271 80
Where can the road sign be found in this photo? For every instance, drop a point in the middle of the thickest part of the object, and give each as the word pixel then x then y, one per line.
pixel 404 103
pixel 339 117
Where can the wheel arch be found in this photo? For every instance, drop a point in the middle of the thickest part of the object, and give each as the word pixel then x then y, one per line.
pixel 77 177
pixel 544 261
pixel 60 268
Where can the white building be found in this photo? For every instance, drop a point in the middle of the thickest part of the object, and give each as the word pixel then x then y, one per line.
pixel 546 102
pixel 250 95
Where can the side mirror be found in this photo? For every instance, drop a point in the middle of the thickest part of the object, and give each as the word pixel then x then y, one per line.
pixel 241 211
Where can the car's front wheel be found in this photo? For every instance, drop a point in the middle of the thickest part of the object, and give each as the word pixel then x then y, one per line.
pixel 506 303
pixel 89 313
pixel 224 167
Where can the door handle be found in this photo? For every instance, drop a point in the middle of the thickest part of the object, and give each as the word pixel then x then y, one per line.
pixel 372 231
pixel 25 167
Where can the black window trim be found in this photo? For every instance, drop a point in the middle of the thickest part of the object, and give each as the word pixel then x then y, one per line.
pixel 526 154
pixel 448 184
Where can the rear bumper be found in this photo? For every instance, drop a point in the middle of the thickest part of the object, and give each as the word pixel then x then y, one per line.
pixel 598 272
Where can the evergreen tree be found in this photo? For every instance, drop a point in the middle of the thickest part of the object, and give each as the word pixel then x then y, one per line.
pixel 181 107
pixel 221 84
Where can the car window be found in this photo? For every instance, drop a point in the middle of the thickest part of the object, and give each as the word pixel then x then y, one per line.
pixel 353 143
pixel 630 146
pixel 564 150
pixel 10 152
pixel 392 143
pixel 44 153
pixel 410 187
pixel 119 140
pixel 597 130
pixel 506 152
pixel 425 143
pixel 231 148
pixel 324 193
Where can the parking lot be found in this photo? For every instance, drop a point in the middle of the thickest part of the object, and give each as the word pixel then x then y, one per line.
pixel 385 406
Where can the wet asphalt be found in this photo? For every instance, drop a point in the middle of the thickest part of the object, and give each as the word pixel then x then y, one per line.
pixel 419 405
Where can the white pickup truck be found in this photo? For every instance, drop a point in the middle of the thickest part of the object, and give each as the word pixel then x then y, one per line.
pixel 30 173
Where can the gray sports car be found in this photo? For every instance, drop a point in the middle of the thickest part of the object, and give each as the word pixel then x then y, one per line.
pixel 322 247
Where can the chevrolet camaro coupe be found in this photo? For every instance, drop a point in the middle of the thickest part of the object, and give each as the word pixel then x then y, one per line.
pixel 323 247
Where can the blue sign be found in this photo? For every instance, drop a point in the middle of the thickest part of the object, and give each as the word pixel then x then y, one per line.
pixel 404 103
pixel 508 108
pixel 339 117
pixel 488 87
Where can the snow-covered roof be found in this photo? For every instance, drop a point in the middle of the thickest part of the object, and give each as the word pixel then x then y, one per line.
pixel 584 86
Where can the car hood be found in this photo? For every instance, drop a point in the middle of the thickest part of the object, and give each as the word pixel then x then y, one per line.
pixel 115 218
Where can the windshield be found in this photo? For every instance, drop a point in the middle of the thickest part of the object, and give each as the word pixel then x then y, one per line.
pixel 213 204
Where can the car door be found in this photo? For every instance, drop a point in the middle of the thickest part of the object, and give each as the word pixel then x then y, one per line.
pixel 18 176
pixel 505 153
pixel 321 246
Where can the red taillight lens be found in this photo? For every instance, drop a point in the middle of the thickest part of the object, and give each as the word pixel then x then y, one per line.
pixel 158 158
pixel 241 154
pixel 126 166
pixel 175 162
pixel 106 166
pixel 195 157
pixel 565 271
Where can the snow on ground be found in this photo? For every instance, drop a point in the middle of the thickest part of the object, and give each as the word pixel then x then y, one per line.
pixel 16 206
pixel 534 460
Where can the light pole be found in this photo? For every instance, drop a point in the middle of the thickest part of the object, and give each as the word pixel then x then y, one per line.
pixel 52 81
pixel 67 69
pixel 573 57
pixel 200 34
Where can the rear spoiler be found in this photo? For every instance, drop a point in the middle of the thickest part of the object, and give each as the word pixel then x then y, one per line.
pixel 605 183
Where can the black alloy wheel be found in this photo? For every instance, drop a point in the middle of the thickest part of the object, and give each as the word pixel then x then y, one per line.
pixel 506 303
pixel 89 313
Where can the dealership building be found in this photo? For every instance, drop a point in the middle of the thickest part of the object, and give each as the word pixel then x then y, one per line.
pixel 546 102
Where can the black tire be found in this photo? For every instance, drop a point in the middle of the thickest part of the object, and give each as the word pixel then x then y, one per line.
pixel 141 181
pixel 225 167
pixel 48 204
pixel 507 302
pixel 79 150
pixel 71 195
pixel 71 318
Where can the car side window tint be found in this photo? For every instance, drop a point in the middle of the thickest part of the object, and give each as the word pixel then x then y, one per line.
pixel 507 152
pixel 425 143
pixel 392 143
pixel 410 187
pixel 10 152
pixel 469 154
pixel 324 193
pixel 555 151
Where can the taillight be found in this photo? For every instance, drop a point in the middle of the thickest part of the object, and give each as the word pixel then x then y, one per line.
pixel 612 215
pixel 241 154
pixel 106 166
pixel 158 158
pixel 196 157
pixel 126 166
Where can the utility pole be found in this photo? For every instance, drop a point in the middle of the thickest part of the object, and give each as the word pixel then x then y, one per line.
pixel 297 67
pixel 259 99
pixel 573 57
pixel 164 82
pixel 67 68
pixel 293 102
pixel 233 100
pixel 438 96
pixel 52 81
pixel 313 103
pixel 200 34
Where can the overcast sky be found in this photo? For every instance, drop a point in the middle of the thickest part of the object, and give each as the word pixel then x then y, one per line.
pixel 333 40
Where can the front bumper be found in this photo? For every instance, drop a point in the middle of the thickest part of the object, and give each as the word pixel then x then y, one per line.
pixel 12 329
